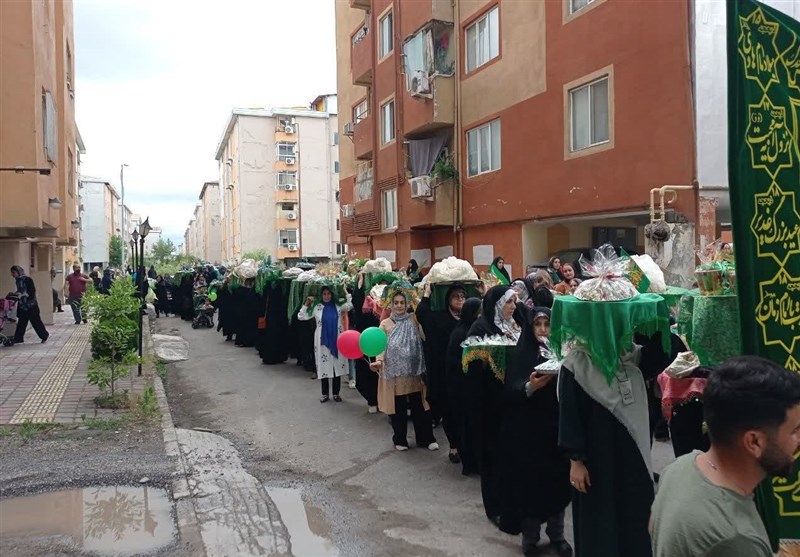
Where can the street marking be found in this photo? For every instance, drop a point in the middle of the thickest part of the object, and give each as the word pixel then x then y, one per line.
pixel 42 402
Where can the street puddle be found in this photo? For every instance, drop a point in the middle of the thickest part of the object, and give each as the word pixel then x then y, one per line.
pixel 308 531
pixel 117 520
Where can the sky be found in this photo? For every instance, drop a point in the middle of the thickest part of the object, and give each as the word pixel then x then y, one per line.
pixel 156 81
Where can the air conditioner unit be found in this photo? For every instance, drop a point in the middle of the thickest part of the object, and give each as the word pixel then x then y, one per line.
pixel 420 84
pixel 421 187
pixel 289 160
pixel 288 128
pixel 292 247
pixel 348 210
pixel 289 187
pixel 291 216
pixel 349 128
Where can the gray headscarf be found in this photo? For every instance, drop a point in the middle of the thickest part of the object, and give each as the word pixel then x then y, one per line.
pixel 403 356
pixel 521 289
pixel 509 327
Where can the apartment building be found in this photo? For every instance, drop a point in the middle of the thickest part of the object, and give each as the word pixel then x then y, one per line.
pixel 279 175
pixel 99 220
pixel 39 143
pixel 484 128
pixel 203 237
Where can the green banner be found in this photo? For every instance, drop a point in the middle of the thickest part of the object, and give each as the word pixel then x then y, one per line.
pixel 764 168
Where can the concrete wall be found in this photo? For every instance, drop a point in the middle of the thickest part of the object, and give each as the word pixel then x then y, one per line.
pixel 257 184
pixel 95 222
pixel 210 215
pixel 317 186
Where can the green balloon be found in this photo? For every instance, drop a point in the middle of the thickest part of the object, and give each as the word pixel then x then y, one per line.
pixel 372 341
pixel 212 297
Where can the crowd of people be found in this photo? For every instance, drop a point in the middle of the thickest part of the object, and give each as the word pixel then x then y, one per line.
pixel 540 441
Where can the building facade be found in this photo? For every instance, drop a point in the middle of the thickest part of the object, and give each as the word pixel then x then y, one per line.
pixel 210 215
pixel 99 218
pixel 482 128
pixel 38 205
pixel 279 176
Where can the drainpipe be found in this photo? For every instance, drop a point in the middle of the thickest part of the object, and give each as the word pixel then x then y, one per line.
pixel 458 215
pixel 673 191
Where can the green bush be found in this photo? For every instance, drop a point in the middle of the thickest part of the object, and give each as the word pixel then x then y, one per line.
pixel 116 318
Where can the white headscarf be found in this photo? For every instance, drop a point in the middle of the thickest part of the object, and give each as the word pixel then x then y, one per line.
pixel 508 327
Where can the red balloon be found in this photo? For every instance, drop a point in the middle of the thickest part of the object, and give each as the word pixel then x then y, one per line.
pixel 347 343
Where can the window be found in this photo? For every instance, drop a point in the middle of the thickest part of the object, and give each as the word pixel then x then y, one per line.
pixel 288 207
pixel 575 5
pixel 483 148
pixel 341 249
pixel 337 224
pixel 286 151
pixel 364 182
pixel 336 138
pixel 69 71
pixel 483 39
pixel 337 196
pixel 70 173
pixel 49 126
pixel 336 167
pixel 588 106
pixel 387 122
pixel 286 179
pixel 386 39
pixel 390 208
pixel 287 237
pixel 360 111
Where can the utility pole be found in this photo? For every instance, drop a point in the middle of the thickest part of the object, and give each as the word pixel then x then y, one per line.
pixel 122 211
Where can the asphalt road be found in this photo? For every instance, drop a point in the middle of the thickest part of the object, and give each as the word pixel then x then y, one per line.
pixel 373 500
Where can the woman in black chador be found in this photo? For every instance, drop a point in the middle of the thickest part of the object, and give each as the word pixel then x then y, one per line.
pixel 363 318
pixel 247 308
pixel 273 340
pixel 533 472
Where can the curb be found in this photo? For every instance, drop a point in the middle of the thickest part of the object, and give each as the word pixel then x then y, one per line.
pixel 188 524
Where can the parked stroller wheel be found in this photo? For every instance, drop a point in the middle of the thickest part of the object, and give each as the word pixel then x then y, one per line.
pixel 194 324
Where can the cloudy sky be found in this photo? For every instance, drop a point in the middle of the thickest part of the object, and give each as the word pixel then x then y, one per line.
pixel 156 81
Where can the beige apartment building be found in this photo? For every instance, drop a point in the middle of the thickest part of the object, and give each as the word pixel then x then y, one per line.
pixel 192 238
pixel 39 141
pixel 279 179
pixel 209 215
pixel 99 220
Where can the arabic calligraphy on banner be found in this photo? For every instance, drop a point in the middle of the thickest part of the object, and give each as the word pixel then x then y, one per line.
pixel 764 109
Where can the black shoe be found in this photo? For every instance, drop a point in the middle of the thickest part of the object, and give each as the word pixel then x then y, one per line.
pixel 45 339
pixel 85 321
pixel 454 458
pixel 337 398
pixel 325 398
pixel 60 311
pixel 562 548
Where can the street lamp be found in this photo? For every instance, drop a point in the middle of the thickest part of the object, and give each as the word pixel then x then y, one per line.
pixel 122 208
pixel 141 234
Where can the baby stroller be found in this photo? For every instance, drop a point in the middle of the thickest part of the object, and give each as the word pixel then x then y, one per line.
pixel 203 313
pixel 7 312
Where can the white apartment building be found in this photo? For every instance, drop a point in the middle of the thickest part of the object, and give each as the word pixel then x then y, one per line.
pixel 203 237
pixel 279 177
pixel 99 220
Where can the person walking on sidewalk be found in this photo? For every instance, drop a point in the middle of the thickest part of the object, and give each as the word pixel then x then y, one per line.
pixel 56 296
pixel 27 308
pixel 76 285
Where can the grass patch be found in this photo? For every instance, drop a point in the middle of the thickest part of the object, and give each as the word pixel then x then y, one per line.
pixel 116 401
pixel 106 424
pixel 146 406
pixel 6 431
pixel 29 429
pixel 161 369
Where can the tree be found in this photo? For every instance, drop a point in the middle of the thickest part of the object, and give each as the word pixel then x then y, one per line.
pixel 162 251
pixel 115 251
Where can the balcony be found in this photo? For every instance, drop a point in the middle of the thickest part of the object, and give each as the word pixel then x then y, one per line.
pixel 361 56
pixel 360 4
pixel 287 219
pixel 364 137
pixel 428 112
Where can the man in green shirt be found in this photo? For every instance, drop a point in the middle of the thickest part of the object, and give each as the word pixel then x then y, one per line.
pixel 704 506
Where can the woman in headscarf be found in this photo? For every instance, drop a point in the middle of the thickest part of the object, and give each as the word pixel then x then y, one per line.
pixel 331 367
pixel 248 309
pixel 400 385
pixel 363 318
pixel 541 278
pixel 498 269
pixel 455 382
pixel 543 297
pixel 413 274
pixel 438 326
pixel 483 400
pixel 161 297
pixel 27 307
pixel 570 282
pixel 105 283
pixel 152 272
pixel 96 280
pixel 533 472
pixel 525 291
pixel 186 294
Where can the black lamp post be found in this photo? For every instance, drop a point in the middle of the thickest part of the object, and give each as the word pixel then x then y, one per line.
pixel 144 230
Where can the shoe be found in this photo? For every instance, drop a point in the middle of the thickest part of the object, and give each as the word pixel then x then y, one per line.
pixel 325 398
pixel 562 548
pixel 337 398
pixel 401 447
pixel 352 384
pixel 373 409
pixel 77 322
pixel 85 321
pixel 313 376
pixel 60 311
pixel 433 446
pixel 45 339
pixel 454 458
pixel 534 551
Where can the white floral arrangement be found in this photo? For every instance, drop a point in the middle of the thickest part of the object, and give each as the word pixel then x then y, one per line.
pixel 247 269
pixel 451 269
pixel 493 340
pixel 376 266
pixel 293 272
pixel 307 276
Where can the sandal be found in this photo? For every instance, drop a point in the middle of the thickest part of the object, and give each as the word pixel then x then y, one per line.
pixel 325 398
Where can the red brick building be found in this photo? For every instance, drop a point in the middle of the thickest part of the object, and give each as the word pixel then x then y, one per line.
pixel 559 117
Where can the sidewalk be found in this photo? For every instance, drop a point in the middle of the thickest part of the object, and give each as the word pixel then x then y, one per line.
pixel 46 382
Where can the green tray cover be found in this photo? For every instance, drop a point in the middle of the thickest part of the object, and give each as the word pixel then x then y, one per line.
pixel 605 329
pixel 711 326
pixel 439 293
